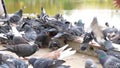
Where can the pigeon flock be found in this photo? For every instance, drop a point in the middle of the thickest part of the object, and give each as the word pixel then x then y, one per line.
pixel 24 36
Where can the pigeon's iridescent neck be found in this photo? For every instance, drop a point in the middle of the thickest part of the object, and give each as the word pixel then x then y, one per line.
pixel 103 58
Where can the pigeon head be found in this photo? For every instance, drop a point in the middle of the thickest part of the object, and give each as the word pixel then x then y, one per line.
pixel 35 47
pixel 20 12
pixel 90 64
pixel 27 27
pixel 56 63
pixel 101 54
pixel 59 62
pixel 32 61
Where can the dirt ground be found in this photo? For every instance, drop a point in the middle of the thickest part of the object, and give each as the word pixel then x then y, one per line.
pixel 75 61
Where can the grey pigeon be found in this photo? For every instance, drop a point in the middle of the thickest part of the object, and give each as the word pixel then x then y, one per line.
pixel 58 35
pixel 108 61
pixel 15 36
pixel 87 38
pixel 114 53
pixel 16 17
pixel 54 44
pixel 22 50
pixel 99 36
pixel 4 28
pixel 116 38
pixel 42 39
pixel 90 64
pixel 108 31
pixel 12 39
pixel 14 63
pixel 19 40
pixel 30 34
pixel 45 62
pixel 4 57
pixel 43 15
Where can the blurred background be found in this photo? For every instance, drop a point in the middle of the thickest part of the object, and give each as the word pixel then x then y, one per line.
pixel 54 6
pixel 72 10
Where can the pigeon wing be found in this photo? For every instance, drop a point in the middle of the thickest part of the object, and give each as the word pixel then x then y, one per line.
pixel 112 62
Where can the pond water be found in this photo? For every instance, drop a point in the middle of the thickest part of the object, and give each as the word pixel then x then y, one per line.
pixel 72 10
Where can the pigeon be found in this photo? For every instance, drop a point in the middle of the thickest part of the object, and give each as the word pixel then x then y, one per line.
pixel 4 57
pixel 90 64
pixel 22 50
pixel 15 37
pixel 99 36
pixel 108 61
pixel 76 31
pixel 45 62
pixel 65 35
pixel 54 44
pixel 14 63
pixel 113 53
pixel 16 17
pixel 108 32
pixel 58 35
pixel 4 28
pixel 43 15
pixel 19 40
pixel 42 39
pixel 87 38
pixel 43 12
pixel 52 32
pixel 116 38
pixel 30 34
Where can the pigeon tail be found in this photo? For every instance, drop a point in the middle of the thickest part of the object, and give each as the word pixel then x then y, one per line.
pixel 63 48
pixel 90 64
pixel 66 53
